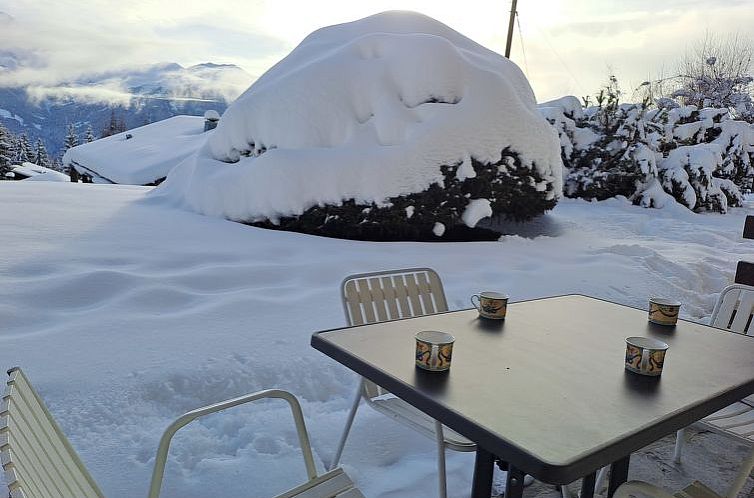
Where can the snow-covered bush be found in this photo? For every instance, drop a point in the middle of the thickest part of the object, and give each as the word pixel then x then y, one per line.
pixel 703 158
pixel 390 127
pixel 607 151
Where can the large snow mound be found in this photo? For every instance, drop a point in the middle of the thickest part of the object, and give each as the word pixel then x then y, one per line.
pixel 366 111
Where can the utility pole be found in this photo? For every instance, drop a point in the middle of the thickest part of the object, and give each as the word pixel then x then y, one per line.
pixel 510 30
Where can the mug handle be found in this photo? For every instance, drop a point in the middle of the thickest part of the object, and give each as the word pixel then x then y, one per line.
pixel 472 301
pixel 645 354
pixel 433 356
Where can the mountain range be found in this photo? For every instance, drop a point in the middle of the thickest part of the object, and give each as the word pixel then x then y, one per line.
pixel 137 96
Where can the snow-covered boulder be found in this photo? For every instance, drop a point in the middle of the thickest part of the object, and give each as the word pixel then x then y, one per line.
pixel 383 128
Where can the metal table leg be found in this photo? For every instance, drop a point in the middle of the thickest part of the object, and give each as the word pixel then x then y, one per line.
pixel 514 484
pixel 587 485
pixel 618 475
pixel 483 466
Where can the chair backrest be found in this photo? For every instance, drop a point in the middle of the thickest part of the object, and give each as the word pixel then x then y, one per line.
pixel 734 309
pixel 390 295
pixel 37 458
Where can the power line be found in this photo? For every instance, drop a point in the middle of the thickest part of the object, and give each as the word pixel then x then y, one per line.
pixel 521 38
pixel 560 59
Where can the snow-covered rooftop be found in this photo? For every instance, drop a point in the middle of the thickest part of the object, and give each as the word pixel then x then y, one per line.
pixel 35 172
pixel 147 156
pixel 366 110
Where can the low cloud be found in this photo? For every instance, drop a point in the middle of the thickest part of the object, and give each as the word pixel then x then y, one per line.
pixel 83 94
pixel 57 49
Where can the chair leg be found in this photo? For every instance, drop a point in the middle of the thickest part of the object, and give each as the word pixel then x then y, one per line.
pixel 600 479
pixel 679 441
pixel 347 428
pixel 441 480
pixel 564 493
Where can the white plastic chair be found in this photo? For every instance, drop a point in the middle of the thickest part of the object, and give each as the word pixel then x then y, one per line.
pixel 694 490
pixel 39 462
pixel 390 295
pixel 733 311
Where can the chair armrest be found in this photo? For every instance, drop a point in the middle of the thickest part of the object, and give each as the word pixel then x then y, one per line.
pixel 187 418
pixel 638 488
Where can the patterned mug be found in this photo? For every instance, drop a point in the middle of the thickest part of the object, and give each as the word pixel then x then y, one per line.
pixel 645 356
pixel 663 311
pixel 491 304
pixel 434 350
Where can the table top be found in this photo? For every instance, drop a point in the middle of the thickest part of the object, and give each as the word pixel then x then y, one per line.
pixel 545 389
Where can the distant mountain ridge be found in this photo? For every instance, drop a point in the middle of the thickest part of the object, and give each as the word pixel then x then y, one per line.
pixel 138 96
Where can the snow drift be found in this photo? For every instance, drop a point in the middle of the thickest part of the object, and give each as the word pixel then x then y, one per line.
pixel 362 116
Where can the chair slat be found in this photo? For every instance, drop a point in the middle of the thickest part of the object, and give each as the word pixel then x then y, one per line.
pixel 401 292
pixel 739 420
pixel 351 297
pixel 725 310
pixel 328 485
pixel 391 298
pixel 441 304
pixel 378 298
pixel 696 490
pixel 743 312
pixel 365 300
pixel 11 478
pixel 351 493
pixel 412 289
pixel 728 412
pixel 425 293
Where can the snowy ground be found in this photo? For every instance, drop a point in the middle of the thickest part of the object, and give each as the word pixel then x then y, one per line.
pixel 126 313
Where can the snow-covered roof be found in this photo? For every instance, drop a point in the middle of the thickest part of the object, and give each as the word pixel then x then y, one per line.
pixel 366 110
pixel 148 155
pixel 39 173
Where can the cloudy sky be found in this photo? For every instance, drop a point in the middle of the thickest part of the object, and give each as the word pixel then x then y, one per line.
pixel 569 47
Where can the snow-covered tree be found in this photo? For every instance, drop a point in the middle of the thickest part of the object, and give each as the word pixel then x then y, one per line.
pixel 89 136
pixel 40 154
pixel 24 151
pixel 717 73
pixel 6 152
pixel 114 125
pixel 615 160
pixel 71 138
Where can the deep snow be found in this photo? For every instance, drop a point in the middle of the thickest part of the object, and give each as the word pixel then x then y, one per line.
pixel 126 313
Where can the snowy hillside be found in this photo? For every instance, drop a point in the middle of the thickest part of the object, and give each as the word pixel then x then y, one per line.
pixel 126 313
pixel 372 112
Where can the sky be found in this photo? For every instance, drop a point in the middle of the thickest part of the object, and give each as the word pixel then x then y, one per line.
pixel 564 47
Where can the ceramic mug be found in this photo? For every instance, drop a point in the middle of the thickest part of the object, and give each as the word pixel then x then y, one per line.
pixel 491 304
pixel 434 350
pixel 663 311
pixel 645 356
